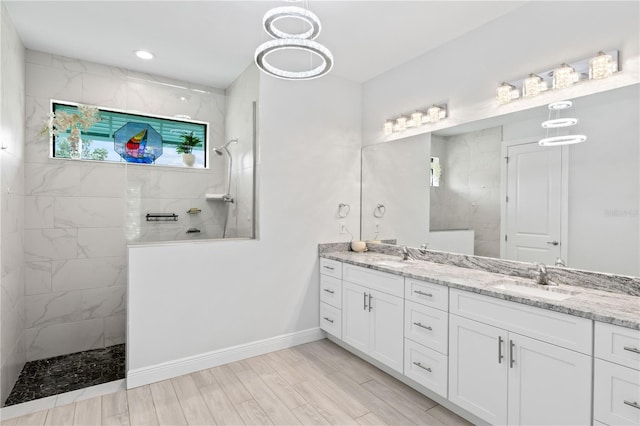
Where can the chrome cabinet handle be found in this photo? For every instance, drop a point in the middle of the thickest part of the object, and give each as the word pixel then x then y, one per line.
pixel 329 291
pixel 511 360
pixel 553 243
pixel 331 268
pixel 426 327
pixel 370 297
pixel 500 356
pixel 633 404
pixel 365 301
pixel 422 293
pixel 328 319
pixel 422 366
pixel 630 349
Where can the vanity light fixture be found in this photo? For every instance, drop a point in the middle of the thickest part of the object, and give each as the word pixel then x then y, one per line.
pixel 293 41
pixel 415 119
pixel 144 54
pixel 564 77
pixel 506 93
pixel 557 123
pixel 603 65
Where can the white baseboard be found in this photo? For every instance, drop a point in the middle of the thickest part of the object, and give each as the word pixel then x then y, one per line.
pixel 179 367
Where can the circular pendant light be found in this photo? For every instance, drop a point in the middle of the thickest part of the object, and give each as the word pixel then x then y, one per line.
pixel 559 122
pixel 293 41
pixel 562 140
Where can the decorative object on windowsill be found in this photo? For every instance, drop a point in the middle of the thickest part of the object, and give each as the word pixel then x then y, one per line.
pixel 189 141
pixel 557 123
pixel 601 66
pixel 61 122
pixel 293 42
pixel 434 114
pixel 137 143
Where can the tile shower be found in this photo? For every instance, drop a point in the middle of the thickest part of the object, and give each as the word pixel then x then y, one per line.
pixel 79 216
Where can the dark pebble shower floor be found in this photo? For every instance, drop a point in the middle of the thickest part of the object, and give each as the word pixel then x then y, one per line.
pixel 64 373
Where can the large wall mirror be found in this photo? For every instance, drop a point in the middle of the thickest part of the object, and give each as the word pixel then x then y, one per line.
pixel 455 190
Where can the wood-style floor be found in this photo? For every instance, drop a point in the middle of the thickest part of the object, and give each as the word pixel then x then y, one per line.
pixel 318 383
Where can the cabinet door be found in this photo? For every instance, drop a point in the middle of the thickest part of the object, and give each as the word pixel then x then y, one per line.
pixel 355 316
pixel 548 385
pixel 387 325
pixel 478 368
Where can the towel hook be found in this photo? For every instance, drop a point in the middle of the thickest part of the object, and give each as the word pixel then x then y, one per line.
pixel 379 210
pixel 342 214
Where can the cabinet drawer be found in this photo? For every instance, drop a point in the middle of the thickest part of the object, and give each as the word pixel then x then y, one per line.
pixel 563 330
pixel 376 280
pixel 617 344
pixel 333 268
pixel 425 366
pixel 434 295
pixel 331 320
pixel 331 291
pixel 426 326
pixel 616 394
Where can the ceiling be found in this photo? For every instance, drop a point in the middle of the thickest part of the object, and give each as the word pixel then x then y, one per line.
pixel 212 42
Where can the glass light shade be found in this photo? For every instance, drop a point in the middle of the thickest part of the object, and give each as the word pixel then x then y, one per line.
pixel 559 122
pixel 555 106
pixel 564 77
pixel 433 114
pixel 416 117
pixel 401 124
pixel 562 140
pixel 601 66
pixel 503 94
pixel 388 127
pixel 532 86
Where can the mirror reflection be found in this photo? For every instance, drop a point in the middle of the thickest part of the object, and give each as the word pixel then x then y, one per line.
pixel 488 188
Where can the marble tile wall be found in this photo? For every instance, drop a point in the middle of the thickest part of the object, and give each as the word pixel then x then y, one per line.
pixel 79 216
pixel 12 85
pixel 469 192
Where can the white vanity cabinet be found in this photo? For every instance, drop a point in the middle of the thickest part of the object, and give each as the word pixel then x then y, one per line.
pixel 331 297
pixel 616 375
pixel 426 325
pixel 372 314
pixel 515 364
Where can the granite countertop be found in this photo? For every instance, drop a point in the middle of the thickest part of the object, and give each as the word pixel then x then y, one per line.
pixel 598 305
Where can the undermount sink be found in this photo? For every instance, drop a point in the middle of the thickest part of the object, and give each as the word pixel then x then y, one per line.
pixel 536 290
pixel 394 263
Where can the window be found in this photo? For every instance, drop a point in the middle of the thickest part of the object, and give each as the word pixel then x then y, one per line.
pixel 98 141
pixel 436 171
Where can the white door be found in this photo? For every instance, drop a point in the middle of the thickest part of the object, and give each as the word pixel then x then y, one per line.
pixel 387 329
pixel 533 204
pixel 355 316
pixel 478 368
pixel 548 385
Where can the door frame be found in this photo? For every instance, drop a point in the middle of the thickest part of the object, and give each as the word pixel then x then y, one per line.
pixel 564 199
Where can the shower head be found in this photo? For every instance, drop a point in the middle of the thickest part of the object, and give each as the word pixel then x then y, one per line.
pixel 219 150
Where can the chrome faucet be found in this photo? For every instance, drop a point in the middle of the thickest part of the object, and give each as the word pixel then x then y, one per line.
pixel 405 253
pixel 423 248
pixel 560 263
pixel 542 277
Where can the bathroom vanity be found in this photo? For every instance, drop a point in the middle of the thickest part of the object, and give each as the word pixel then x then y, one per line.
pixel 498 347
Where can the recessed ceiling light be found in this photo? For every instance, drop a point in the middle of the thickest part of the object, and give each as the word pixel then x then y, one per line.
pixel 144 54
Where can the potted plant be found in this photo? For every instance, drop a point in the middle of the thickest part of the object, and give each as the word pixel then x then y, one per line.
pixel 189 141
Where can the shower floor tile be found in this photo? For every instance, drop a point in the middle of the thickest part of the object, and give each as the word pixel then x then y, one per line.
pixel 64 373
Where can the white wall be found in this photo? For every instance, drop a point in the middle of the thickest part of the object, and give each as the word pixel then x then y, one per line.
pixel 189 299
pixel 81 214
pixel 466 72
pixel 12 107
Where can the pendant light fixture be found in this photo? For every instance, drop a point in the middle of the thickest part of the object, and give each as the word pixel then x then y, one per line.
pixel 293 41
pixel 558 123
